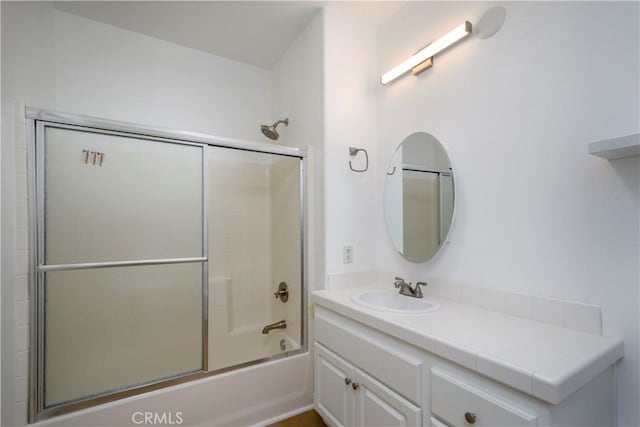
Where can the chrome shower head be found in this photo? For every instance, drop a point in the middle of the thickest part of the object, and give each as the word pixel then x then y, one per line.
pixel 270 131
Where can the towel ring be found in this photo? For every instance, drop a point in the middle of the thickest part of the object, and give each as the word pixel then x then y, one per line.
pixel 352 152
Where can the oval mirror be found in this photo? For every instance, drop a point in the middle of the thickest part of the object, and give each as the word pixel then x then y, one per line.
pixel 419 197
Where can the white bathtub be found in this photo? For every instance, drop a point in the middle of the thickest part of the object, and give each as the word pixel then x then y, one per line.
pixel 243 397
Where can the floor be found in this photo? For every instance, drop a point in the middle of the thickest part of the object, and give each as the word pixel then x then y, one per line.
pixel 306 419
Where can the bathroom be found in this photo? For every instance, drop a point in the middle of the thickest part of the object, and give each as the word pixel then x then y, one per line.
pixel 515 105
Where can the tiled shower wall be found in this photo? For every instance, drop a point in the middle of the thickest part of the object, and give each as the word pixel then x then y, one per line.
pixel 285 242
pixel 239 238
pixel 21 289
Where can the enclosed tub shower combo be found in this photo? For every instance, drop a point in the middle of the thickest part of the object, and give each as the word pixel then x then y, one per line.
pixel 157 257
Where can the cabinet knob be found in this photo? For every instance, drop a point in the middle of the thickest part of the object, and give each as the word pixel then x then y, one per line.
pixel 347 381
pixel 355 386
pixel 470 417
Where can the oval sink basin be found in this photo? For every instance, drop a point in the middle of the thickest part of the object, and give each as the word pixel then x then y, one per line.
pixel 392 301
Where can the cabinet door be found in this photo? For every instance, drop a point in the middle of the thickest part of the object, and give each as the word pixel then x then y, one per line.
pixel 378 405
pixel 333 391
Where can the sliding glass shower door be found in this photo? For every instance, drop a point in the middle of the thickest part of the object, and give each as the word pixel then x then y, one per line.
pixel 121 261
pixel 156 259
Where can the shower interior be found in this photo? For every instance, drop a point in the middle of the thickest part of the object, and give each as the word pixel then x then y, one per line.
pixel 254 241
pixel 156 258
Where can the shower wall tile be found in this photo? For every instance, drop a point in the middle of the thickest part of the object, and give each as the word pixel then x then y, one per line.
pixel 21 286
pixel 20 281
pixel 21 187
pixel 22 313
pixel 22 212
pixel 22 363
pixel 22 237
pixel 22 338
pixel 21 413
pixel 218 292
pixel 22 262
pixel 21 161
pixel 22 389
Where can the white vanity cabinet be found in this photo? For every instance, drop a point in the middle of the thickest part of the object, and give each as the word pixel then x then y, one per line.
pixel 366 377
pixel 362 382
pixel 347 396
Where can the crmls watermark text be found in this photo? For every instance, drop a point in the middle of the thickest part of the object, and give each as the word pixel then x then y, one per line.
pixel 156 418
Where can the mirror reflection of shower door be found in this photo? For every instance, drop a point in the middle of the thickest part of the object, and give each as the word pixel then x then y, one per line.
pixel 254 243
pixel 446 204
pixel 121 261
pixel 420 214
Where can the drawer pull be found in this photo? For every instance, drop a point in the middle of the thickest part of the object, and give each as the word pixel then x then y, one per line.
pixel 470 417
pixel 355 386
pixel 347 381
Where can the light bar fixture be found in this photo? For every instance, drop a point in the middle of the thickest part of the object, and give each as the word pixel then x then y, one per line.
pixel 425 55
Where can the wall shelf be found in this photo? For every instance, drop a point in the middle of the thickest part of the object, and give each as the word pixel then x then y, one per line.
pixel 616 148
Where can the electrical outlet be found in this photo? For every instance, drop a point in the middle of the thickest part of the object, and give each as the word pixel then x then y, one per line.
pixel 347 254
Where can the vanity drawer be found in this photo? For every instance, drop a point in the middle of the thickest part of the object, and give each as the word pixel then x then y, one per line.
pixel 378 357
pixel 461 404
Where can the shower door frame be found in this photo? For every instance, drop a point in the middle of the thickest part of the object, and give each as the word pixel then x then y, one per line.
pixel 37 120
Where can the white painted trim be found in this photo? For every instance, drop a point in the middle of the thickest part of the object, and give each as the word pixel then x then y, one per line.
pixel 284 416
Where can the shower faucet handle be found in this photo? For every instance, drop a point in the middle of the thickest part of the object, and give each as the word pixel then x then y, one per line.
pixel 283 292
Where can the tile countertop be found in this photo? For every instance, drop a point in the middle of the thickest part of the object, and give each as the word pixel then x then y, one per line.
pixel 545 361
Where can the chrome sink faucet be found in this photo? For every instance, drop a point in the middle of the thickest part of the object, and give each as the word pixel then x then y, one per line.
pixel 406 289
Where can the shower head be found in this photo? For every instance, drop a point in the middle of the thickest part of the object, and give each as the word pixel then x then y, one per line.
pixel 270 131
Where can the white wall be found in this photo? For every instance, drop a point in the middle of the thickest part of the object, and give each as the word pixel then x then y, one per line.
pixel 109 72
pixel 350 120
pixel 298 95
pixel 535 213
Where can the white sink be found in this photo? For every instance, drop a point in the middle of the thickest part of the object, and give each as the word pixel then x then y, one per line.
pixel 388 300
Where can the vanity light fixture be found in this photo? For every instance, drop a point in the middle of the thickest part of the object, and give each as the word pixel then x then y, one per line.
pixel 425 55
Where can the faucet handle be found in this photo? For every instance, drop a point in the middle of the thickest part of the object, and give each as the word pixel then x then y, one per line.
pixel 398 282
pixel 417 290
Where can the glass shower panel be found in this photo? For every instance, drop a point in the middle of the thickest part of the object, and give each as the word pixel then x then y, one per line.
pixel 254 245
pixel 117 198
pixel 114 328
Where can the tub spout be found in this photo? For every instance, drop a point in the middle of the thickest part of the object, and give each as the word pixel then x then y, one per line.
pixel 278 325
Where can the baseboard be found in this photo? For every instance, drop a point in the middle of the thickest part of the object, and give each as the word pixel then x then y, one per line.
pixel 284 416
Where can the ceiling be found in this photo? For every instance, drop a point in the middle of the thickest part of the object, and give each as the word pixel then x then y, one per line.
pixel 253 32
